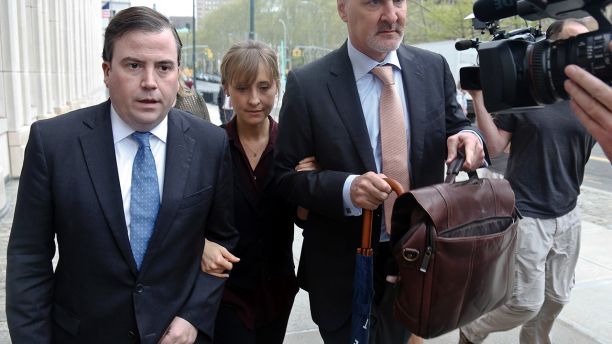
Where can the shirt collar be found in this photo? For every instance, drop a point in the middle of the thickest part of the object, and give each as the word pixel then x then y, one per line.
pixel 362 64
pixel 121 130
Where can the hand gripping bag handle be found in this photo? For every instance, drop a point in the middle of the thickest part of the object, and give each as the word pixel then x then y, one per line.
pixel 455 167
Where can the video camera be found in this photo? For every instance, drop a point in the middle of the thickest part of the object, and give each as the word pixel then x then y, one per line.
pixel 521 70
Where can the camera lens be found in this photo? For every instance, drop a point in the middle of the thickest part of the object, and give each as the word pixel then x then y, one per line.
pixel 546 61
pixel 538 60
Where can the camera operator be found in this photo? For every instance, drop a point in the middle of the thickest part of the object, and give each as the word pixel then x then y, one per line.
pixel 592 103
pixel 549 149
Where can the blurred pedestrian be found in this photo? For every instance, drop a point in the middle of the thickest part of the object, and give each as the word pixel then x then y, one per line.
pixel 548 153
pixel 220 102
pixel 228 109
pixel 191 101
pixel 462 99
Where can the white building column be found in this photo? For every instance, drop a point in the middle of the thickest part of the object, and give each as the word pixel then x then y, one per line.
pixel 50 60
pixel 25 42
pixel 54 49
pixel 92 50
pixel 81 56
pixel 95 49
pixel 70 46
pixel 47 45
pixel 60 38
pixel 5 86
pixel 66 53
pixel 17 90
pixel 37 59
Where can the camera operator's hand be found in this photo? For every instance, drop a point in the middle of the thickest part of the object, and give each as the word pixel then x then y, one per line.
pixel 591 100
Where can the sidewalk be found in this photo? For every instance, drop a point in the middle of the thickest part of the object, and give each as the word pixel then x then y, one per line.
pixel 586 320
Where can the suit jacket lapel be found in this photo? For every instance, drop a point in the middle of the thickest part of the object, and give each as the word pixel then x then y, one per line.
pixel 413 78
pixel 179 152
pixel 343 91
pixel 99 152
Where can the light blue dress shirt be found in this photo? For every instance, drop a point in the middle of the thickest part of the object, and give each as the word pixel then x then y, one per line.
pixel 369 87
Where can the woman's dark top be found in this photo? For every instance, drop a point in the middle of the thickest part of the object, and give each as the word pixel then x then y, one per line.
pixel 262 285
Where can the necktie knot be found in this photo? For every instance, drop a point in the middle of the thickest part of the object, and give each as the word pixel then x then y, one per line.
pixel 142 138
pixel 385 74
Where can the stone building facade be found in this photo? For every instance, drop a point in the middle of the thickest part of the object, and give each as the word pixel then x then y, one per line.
pixel 50 63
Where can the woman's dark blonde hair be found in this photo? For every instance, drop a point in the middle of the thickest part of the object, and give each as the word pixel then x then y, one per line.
pixel 241 63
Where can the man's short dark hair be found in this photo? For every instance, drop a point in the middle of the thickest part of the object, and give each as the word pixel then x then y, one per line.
pixel 557 26
pixel 138 18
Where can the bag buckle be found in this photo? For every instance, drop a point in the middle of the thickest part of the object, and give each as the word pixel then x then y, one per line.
pixel 410 254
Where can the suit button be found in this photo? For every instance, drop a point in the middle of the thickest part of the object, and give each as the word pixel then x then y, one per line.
pixel 139 288
pixel 133 337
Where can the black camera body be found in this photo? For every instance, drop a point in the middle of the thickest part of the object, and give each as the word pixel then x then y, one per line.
pixel 518 71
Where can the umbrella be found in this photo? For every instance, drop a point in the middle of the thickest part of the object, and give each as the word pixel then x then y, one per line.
pixel 362 280
pixel 362 285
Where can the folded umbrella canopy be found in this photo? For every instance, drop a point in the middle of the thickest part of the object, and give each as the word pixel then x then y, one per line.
pixel 362 285
pixel 363 290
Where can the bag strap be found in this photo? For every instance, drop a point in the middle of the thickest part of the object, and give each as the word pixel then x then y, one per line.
pixel 366 228
pixel 455 167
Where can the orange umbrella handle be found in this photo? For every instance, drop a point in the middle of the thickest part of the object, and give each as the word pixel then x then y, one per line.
pixel 366 229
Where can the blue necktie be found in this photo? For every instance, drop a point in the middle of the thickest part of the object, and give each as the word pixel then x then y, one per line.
pixel 144 203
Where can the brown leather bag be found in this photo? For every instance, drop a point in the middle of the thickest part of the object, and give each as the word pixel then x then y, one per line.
pixel 454 244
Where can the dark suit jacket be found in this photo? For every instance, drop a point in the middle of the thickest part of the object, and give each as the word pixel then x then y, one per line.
pixel 69 190
pixel 322 116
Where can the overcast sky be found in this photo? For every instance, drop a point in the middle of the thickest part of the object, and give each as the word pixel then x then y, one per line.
pixel 170 8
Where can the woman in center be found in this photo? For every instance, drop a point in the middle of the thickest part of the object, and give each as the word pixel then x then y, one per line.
pixel 260 290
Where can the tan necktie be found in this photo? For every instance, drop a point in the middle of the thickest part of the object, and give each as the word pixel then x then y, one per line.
pixel 392 136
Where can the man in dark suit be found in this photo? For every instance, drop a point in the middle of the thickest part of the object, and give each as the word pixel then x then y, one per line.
pixel 331 111
pixel 128 188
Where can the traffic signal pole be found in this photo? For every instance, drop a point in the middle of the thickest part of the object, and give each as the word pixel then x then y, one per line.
pixel 252 19
pixel 193 52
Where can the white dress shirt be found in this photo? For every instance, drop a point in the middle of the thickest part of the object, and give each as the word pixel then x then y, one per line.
pixel 125 152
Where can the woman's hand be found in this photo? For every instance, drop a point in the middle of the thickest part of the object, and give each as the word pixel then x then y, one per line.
pixel 217 260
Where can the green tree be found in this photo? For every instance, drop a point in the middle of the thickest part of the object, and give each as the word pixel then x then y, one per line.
pixel 309 23
pixel 315 25
pixel 436 20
